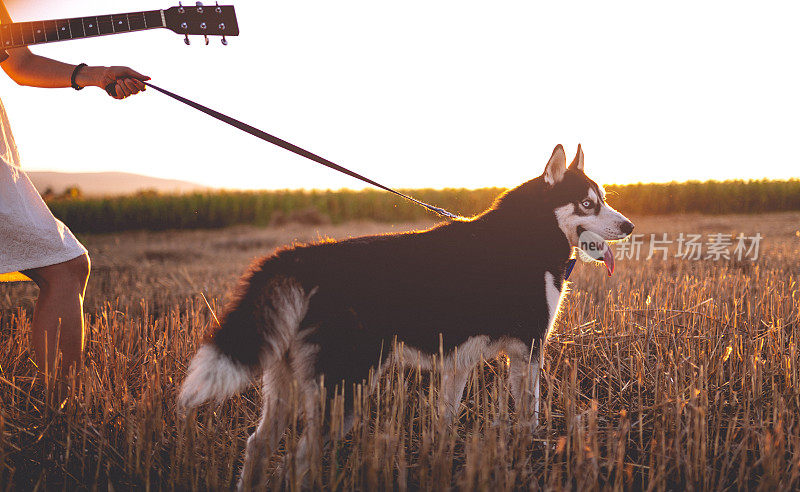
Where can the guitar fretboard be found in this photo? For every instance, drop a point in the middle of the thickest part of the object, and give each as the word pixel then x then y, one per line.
pixel 26 33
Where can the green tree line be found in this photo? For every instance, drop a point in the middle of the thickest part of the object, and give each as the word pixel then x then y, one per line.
pixel 153 211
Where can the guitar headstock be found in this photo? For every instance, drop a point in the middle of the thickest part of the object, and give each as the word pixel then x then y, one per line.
pixel 205 20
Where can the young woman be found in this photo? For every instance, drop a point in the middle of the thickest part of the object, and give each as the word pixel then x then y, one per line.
pixel 34 242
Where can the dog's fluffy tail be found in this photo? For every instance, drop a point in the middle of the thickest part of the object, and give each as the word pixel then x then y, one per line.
pixel 263 323
pixel 212 375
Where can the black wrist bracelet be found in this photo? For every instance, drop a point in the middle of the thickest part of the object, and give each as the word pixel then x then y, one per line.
pixel 74 75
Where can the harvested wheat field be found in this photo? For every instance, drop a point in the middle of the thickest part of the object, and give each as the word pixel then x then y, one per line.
pixel 673 374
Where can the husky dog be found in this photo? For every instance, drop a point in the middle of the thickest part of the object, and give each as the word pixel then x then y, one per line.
pixel 476 287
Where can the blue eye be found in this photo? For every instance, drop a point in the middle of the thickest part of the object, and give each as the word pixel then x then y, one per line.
pixel 586 204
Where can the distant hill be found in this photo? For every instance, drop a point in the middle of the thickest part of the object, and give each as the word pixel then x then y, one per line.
pixel 111 183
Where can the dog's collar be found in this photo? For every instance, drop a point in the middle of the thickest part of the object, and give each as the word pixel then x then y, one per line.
pixel 569 267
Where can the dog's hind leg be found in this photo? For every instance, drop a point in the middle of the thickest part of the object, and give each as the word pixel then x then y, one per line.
pixel 289 363
pixel 263 443
pixel 524 378
pixel 309 447
pixel 456 368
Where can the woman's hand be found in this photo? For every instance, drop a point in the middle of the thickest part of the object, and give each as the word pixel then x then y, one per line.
pixel 127 81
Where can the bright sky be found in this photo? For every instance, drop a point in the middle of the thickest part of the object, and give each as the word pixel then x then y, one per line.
pixel 425 93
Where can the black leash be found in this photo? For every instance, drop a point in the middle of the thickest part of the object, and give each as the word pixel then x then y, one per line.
pixel 294 148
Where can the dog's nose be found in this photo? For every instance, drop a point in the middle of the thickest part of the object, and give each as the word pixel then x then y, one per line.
pixel 626 227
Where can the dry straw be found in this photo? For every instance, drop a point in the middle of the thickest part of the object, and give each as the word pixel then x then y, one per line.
pixel 696 389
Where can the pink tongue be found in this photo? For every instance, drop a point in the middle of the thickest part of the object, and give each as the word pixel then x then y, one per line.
pixel 608 259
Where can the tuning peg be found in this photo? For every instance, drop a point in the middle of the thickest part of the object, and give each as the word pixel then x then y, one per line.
pixel 224 41
pixel 218 9
pixel 199 7
pixel 181 10
pixel 205 36
pixel 186 40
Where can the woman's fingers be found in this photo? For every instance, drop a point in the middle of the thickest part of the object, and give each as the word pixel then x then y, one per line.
pixel 117 93
pixel 130 84
pixel 122 89
pixel 127 81
pixel 138 84
pixel 128 87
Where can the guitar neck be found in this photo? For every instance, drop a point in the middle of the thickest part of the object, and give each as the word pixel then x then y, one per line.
pixel 21 34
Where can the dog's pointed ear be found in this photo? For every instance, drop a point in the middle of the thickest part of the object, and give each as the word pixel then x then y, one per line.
pixel 556 166
pixel 577 162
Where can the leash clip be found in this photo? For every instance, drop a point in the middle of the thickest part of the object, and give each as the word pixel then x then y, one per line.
pixel 444 213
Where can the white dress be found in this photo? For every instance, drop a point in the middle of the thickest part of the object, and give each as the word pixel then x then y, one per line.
pixel 30 237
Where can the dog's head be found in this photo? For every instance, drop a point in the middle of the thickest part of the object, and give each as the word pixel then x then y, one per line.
pixel 581 210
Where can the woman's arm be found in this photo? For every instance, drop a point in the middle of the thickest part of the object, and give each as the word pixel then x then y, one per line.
pixel 25 68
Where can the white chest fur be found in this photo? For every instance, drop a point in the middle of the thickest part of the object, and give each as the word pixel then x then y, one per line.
pixel 553 298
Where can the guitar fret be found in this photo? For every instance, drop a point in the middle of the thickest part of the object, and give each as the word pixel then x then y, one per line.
pixel 153 18
pixel 16 34
pixel 90 26
pixel 29 33
pixel 51 30
pixel 105 25
pixel 63 29
pixel 136 21
pixel 38 32
pixel 22 31
pixel 76 28
pixel 120 23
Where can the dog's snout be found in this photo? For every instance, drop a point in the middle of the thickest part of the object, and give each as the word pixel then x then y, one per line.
pixel 626 227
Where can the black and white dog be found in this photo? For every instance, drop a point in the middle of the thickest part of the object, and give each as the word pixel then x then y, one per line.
pixel 481 287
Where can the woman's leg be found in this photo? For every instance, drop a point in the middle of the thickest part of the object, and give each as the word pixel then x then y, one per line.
pixel 58 315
